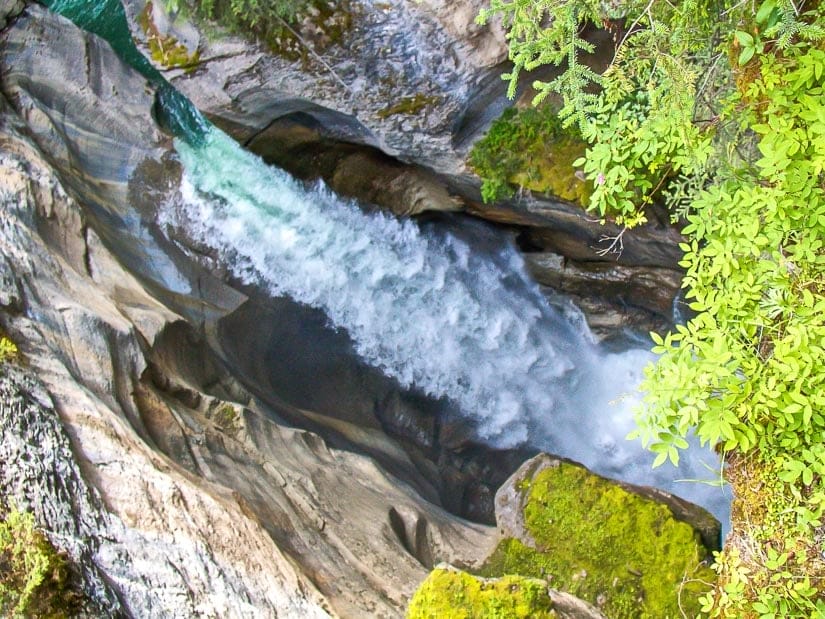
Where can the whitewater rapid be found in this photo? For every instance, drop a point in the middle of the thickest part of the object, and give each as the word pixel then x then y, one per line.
pixel 430 311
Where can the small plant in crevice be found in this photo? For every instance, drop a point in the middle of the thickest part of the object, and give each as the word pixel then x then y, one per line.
pixel 35 580
pixel 8 349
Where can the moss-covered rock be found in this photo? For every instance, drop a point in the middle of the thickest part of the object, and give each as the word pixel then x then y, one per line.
pixel 450 593
pixel 591 537
pixel 576 532
pixel 528 148
pixel 165 49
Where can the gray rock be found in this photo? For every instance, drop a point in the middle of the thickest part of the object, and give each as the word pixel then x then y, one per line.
pixel 360 87
pixel 9 9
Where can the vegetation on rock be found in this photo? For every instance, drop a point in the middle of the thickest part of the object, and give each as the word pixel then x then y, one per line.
pixel 408 105
pixel 166 50
pixel 34 577
pixel 276 23
pixel 530 149
pixel 718 109
pixel 622 552
pixel 458 595
pixel 8 349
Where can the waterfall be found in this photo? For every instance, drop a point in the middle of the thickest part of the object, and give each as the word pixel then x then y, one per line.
pixel 426 307
pixel 430 311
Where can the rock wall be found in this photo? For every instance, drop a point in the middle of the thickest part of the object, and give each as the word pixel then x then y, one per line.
pixel 178 492
pixel 400 77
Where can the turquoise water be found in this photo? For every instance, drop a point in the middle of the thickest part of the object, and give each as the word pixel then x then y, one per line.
pixel 107 19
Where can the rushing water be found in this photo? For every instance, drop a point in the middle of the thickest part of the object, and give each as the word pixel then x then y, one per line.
pixel 427 308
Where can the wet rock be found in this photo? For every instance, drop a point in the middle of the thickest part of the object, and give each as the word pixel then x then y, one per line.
pixel 613 297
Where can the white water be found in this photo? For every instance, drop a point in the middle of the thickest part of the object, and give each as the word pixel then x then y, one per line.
pixel 430 312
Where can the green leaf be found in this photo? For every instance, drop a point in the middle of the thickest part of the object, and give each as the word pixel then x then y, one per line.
pixel 745 39
pixel 746 54
pixel 765 11
pixel 660 459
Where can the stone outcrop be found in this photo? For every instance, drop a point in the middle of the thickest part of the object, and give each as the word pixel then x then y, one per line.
pixel 640 297
pixel 399 77
pixel 511 500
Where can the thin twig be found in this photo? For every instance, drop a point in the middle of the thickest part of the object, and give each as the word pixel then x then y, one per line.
pixel 616 246
pixel 629 31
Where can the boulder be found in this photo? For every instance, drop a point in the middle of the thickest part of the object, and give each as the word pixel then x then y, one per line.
pixel 449 592
pixel 628 552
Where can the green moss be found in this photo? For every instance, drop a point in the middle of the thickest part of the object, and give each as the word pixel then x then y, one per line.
pixel 408 105
pixel 34 577
pixel 451 594
pixel 227 418
pixel 530 149
pixel 166 50
pixel 8 349
pixel 612 548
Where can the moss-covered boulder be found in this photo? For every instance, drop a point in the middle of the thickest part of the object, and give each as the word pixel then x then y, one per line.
pixel 614 549
pixel 598 540
pixel 450 593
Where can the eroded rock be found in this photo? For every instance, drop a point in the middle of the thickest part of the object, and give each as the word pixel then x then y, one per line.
pixel 400 78
pixel 200 498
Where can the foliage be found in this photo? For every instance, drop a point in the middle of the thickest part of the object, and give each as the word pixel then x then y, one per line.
pixel 607 546
pixel 719 106
pixel 255 15
pixel 34 578
pixel 637 114
pixel 458 595
pixel 531 149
